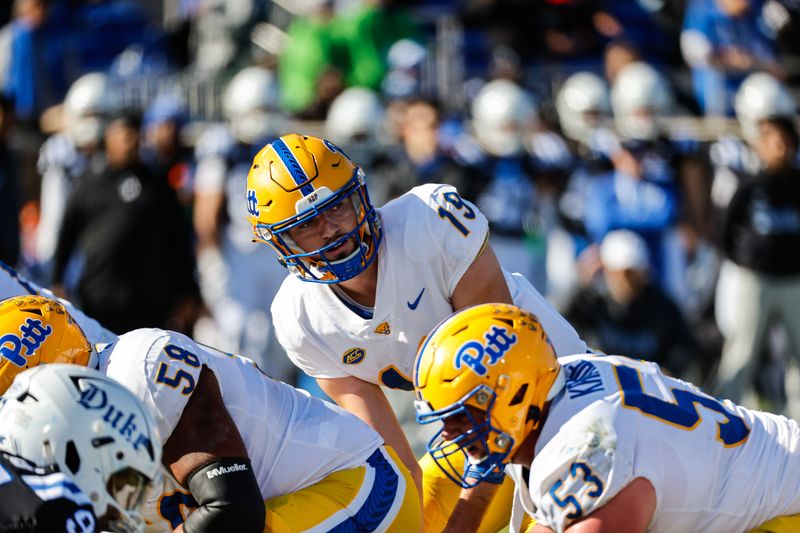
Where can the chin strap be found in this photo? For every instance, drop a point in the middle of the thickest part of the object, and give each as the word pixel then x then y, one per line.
pixel 485 471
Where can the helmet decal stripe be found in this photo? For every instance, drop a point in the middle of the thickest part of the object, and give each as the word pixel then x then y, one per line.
pixel 293 166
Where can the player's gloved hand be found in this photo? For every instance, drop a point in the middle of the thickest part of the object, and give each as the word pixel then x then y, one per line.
pixel 485 471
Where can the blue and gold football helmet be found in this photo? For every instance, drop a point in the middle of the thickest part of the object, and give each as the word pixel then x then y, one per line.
pixel 494 364
pixel 296 178
pixel 35 330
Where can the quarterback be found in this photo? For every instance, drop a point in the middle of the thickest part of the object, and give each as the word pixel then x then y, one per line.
pixel 600 443
pixel 368 286
pixel 243 451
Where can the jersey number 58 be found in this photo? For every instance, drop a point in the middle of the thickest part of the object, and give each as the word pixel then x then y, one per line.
pixel 172 375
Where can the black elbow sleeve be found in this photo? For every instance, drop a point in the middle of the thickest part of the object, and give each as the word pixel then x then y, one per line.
pixel 229 498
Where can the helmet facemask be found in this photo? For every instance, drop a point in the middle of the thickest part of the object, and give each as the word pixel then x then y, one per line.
pixel 316 265
pixel 493 366
pixel 495 443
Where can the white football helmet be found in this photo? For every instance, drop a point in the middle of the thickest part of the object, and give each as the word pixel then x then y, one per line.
pixel 503 116
pixel 250 102
pixel 77 421
pixel 761 95
pixel 640 97
pixel 355 122
pixel 89 101
pixel 582 103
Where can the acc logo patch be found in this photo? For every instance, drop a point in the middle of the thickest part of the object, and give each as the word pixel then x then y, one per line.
pixel 383 329
pixel 32 335
pixel 353 356
pixel 472 353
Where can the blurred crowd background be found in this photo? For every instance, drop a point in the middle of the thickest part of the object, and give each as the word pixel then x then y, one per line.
pixel 637 159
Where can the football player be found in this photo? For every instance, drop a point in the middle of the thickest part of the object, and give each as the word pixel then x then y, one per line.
pixel 12 284
pixel 233 279
pixel 368 286
pixel 243 451
pixel 599 443
pixel 77 450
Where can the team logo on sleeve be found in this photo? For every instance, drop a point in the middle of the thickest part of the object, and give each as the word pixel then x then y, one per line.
pixel 383 329
pixel 353 356
pixel 473 354
pixel 32 336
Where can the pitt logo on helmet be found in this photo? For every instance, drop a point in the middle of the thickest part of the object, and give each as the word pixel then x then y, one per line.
pixel 33 334
pixel 353 356
pixel 472 353
pixel 252 203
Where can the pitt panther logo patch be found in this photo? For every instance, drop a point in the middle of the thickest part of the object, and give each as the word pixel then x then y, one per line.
pixel 33 334
pixel 353 356
pixel 252 203
pixel 473 353
pixel 383 329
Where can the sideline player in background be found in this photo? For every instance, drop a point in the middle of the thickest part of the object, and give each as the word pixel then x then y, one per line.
pixel 379 281
pixel 243 451
pixel 600 443
pixel 77 451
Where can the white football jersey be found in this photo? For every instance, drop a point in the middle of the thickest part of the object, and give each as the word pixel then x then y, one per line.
pixel 293 440
pixel 431 236
pixel 12 284
pixel 715 466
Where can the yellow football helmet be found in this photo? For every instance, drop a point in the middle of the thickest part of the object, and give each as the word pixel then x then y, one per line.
pixel 492 357
pixel 36 330
pixel 296 178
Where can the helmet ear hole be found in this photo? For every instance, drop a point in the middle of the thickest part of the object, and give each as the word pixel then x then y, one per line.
pixel 26 397
pixel 72 459
pixel 534 414
pixel 519 395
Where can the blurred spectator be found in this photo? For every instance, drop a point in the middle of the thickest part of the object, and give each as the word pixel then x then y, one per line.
pixel 219 34
pixel 517 194
pixel 641 193
pixel 420 158
pixel 761 235
pixel 9 189
pixel 625 312
pixel 406 62
pixel 583 106
pixel 618 54
pixel 133 245
pixel 101 30
pixel 367 34
pixel 644 23
pixel 237 277
pixel 723 41
pixel 734 161
pixel 761 95
pixel 584 114
pixel 164 149
pixel 67 154
pixel 356 123
pixel 783 19
pixel 310 69
pixel 36 77
pixel 36 80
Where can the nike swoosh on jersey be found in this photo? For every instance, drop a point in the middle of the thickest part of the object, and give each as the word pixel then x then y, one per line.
pixel 413 305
